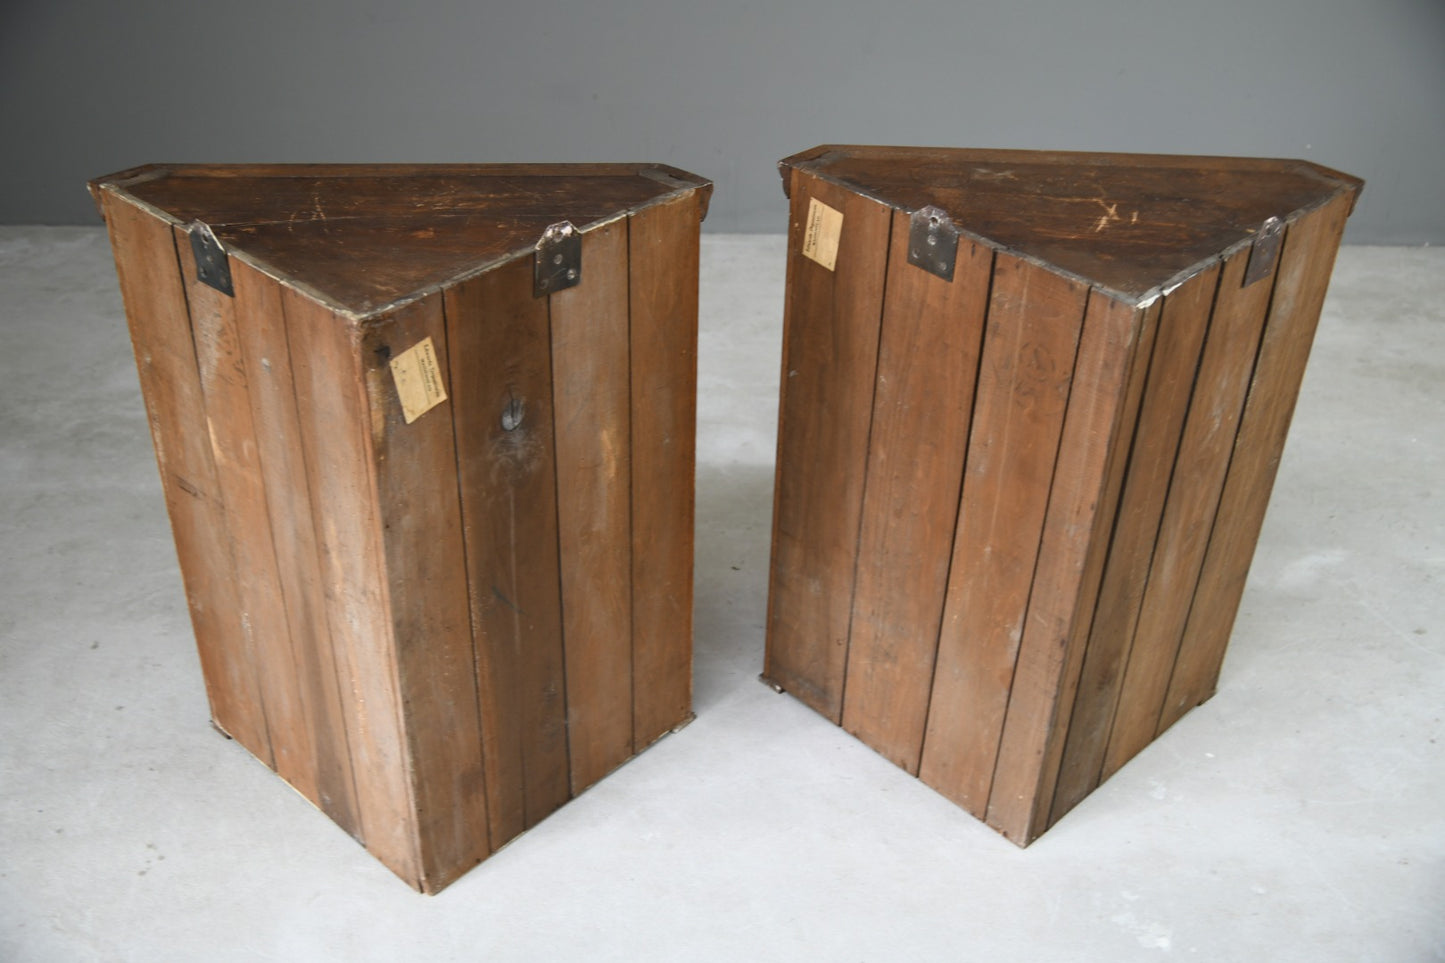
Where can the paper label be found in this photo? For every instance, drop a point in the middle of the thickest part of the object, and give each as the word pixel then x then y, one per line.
pixel 418 380
pixel 821 233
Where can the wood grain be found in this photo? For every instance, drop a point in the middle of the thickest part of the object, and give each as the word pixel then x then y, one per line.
pixel 662 289
pixel 592 420
pixel 830 358
pixel 1172 369
pixel 232 433
pixel 499 360
pixel 1079 516
pixel 1189 511
pixel 334 414
pixel 261 328
pixel 160 331
pixel 426 578
pixel 1029 346
pixel 927 368
pixel 1302 277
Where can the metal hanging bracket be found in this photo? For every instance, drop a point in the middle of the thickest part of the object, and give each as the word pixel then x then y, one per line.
pixel 558 263
pixel 212 266
pixel 1265 252
pixel 932 241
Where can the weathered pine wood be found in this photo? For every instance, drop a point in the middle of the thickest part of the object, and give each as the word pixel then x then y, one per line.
pixel 227 412
pixel 1171 376
pixel 415 470
pixel 334 415
pixel 1189 511
pixel 830 357
pixel 1030 341
pixel 499 359
pixel 1301 280
pixel 594 503
pixel 927 367
pixel 261 328
pixel 662 284
pixel 1080 500
pixel 160 331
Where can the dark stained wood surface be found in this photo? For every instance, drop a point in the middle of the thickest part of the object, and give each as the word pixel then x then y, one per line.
pixel 1030 341
pixel 1302 277
pixel 830 357
pixel 927 368
pixel 1125 222
pixel 363 236
pixel 662 288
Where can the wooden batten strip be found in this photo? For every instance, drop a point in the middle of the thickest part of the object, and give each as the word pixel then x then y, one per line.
pixel 154 294
pixel 1301 279
pixel 1029 349
pixel 1170 383
pixel 1095 424
pixel 928 360
pixel 1199 470
pixel 499 361
pixel 831 332
pixel 592 422
pixel 663 251
pixel 426 575
pixel 261 325
pixel 334 414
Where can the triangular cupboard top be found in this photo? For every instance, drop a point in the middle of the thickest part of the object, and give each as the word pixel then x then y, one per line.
pixel 364 237
pixel 1128 223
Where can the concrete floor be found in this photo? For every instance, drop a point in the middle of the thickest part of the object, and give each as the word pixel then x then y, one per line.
pixel 1300 815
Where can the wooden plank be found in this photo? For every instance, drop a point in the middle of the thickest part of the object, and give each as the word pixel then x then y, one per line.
pixel 1091 578
pixel 1079 517
pixel 830 357
pixel 334 415
pixel 662 286
pixel 927 367
pixel 499 361
pixel 1156 441
pixel 1029 347
pixel 1199 469
pixel 426 574
pixel 260 326
pixel 1302 277
pixel 594 514
pixel 226 397
pixel 160 330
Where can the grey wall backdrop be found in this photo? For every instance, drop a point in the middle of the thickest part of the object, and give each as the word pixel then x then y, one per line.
pixel 723 89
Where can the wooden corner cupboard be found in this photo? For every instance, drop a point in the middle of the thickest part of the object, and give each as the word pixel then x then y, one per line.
pixel 1032 407
pixel 426 436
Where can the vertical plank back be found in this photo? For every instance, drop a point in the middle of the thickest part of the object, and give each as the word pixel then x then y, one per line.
pixel 160 331
pixel 1030 342
pixel 927 367
pixel 499 361
pixel 1079 505
pixel 830 358
pixel 1301 279
pixel 662 285
pixel 592 421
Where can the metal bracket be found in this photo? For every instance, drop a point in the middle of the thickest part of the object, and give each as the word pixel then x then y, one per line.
pixel 212 266
pixel 1265 251
pixel 932 241
pixel 558 264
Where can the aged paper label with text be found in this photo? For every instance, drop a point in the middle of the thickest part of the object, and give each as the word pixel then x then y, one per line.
pixel 418 380
pixel 821 233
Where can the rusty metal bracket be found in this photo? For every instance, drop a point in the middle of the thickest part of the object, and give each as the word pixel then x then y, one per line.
pixel 1265 252
pixel 558 263
pixel 212 266
pixel 932 241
